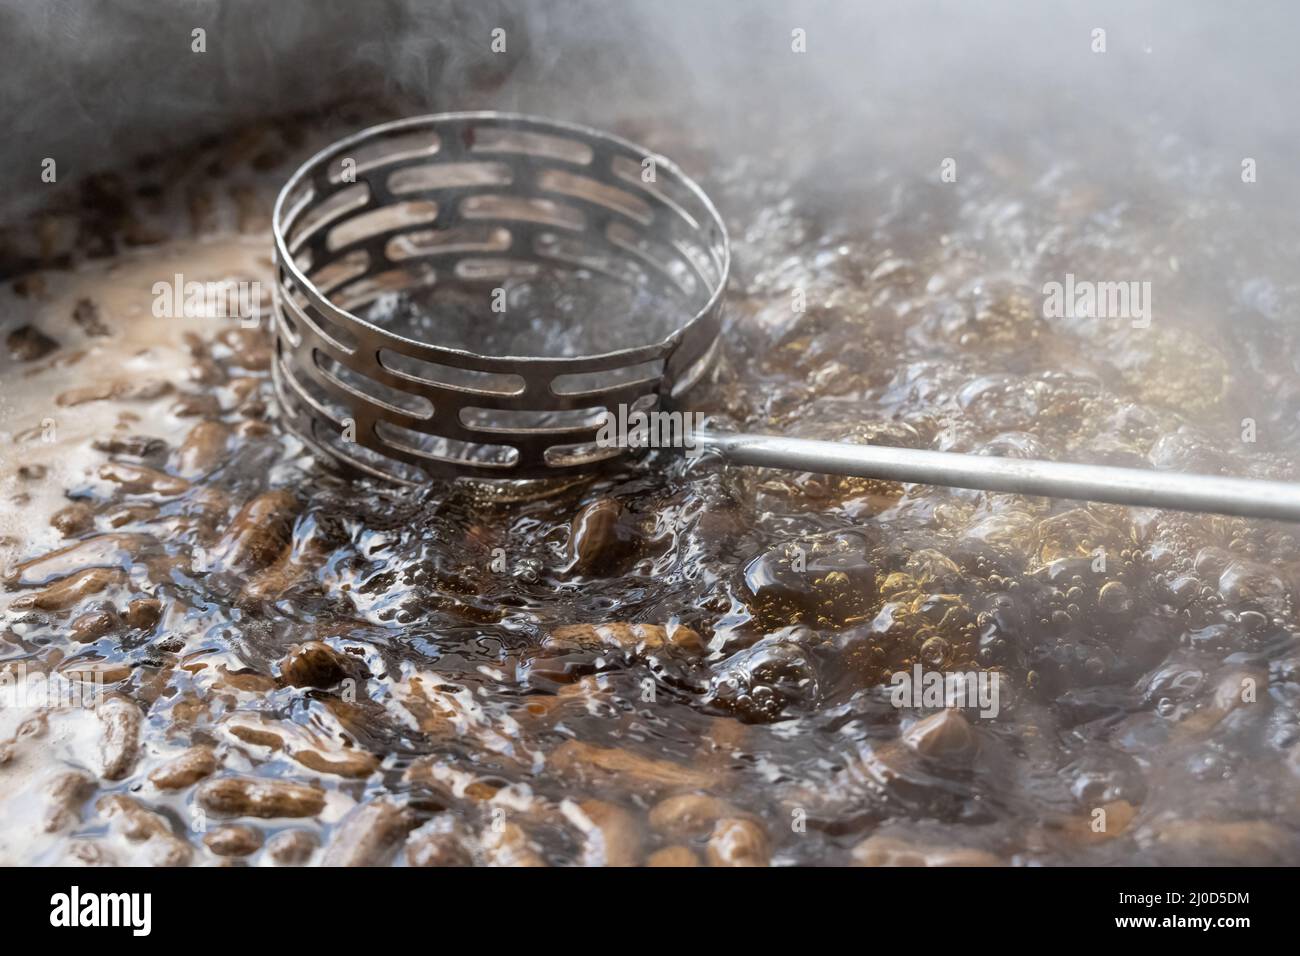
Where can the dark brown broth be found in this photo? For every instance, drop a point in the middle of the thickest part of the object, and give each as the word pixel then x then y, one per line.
pixel 924 327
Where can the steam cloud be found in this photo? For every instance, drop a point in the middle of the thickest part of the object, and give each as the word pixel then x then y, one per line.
pixel 92 84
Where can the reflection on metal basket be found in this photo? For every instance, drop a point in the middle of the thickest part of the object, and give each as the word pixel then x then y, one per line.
pixel 479 198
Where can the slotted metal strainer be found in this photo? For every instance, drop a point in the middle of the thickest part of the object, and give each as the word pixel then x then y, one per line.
pixel 484 198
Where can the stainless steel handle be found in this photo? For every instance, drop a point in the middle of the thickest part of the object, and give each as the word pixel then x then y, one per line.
pixel 1123 486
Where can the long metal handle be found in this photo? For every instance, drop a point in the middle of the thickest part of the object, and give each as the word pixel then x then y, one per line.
pixel 1123 486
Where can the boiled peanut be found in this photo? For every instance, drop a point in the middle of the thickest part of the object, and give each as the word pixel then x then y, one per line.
pixel 255 797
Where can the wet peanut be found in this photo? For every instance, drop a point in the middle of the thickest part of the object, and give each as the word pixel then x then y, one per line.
pixel 612 836
pixel 673 856
pixel 273 581
pixel 346 762
pixel 122 722
pixel 1237 689
pixel 689 814
pixel 127 391
pixel 1119 814
pixel 508 845
pixel 1252 842
pixel 203 450
pixel 86 853
pixel 601 539
pixel 68 591
pixel 440 842
pixel 315 664
pixel 248 681
pixel 185 769
pixel 738 842
pixel 143 613
pixel 252 428
pixel 102 552
pixel 31 286
pixel 254 797
pixel 131 446
pixel 369 835
pixel 256 735
pixel 233 840
pixel 66 792
pixel 259 532
pixel 638 638
pixel 29 344
pixel 142 480
pixel 249 348
pixel 119 516
pixel 196 406
pixel 86 315
pixel 95 623
pixel 945 734
pixel 94 669
pixel 292 847
pixel 584 758
pixel 205 371
pixel 887 851
pixel 138 824
pixel 74 519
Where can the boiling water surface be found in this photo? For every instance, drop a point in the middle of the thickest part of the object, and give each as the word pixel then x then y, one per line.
pixel 686 663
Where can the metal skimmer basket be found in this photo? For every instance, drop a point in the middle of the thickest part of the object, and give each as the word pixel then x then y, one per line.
pixel 479 198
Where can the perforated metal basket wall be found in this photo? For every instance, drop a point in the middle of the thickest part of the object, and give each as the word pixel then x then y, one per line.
pixel 479 197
